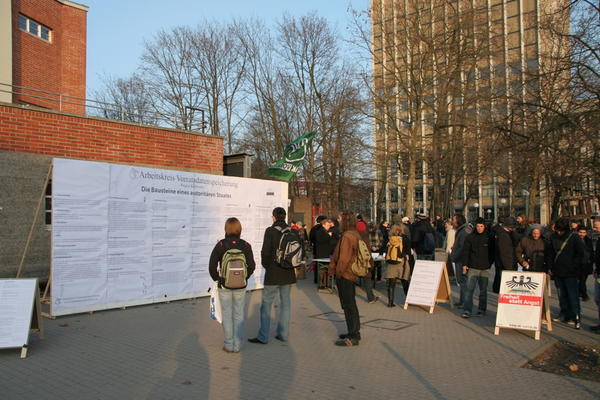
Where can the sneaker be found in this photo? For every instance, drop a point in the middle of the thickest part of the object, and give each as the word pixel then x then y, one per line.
pixel 256 340
pixel 347 342
pixel 466 314
pixel 577 324
pixel 558 318
pixel 480 313
pixel 375 300
pixel 280 338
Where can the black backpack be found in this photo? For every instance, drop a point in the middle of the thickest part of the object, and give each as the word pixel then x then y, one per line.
pixel 289 253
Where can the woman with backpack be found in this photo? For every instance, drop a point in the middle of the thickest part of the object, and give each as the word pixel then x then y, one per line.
pixel 345 254
pixel 231 264
pixel 396 258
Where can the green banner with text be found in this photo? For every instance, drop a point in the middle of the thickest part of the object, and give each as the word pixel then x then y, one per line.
pixel 293 155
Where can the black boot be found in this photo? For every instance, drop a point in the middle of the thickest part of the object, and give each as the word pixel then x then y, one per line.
pixel 391 289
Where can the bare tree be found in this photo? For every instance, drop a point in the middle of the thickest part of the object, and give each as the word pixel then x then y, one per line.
pixel 126 99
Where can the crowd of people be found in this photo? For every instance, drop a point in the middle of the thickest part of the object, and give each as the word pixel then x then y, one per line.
pixel 564 250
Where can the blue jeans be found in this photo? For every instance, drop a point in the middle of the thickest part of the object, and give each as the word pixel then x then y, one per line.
pixel 283 326
pixel 232 310
pixel 568 297
pixel 480 278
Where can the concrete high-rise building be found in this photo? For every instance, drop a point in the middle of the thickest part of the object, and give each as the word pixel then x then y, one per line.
pixel 445 72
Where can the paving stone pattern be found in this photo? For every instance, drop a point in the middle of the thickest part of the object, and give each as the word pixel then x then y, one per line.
pixel 174 351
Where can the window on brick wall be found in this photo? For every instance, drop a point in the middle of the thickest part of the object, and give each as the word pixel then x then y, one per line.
pixel 35 28
pixel 48 206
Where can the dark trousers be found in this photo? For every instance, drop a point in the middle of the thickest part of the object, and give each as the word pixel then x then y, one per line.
pixel 376 272
pixel 582 285
pixel 368 286
pixel 497 277
pixel 347 295
pixel 568 297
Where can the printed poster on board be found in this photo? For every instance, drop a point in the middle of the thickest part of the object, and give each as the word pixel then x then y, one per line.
pixel 127 235
pixel 520 300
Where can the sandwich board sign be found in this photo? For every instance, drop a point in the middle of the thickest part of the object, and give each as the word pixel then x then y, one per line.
pixel 19 313
pixel 522 299
pixel 429 284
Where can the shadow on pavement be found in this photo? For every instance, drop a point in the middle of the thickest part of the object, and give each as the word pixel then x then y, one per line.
pixel 430 388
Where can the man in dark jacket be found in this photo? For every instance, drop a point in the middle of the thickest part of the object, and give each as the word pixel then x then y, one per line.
pixel 423 238
pixel 459 222
pixel 278 280
pixel 477 258
pixel 312 235
pixel 564 256
pixel 505 255
pixel 323 249
pixel 596 226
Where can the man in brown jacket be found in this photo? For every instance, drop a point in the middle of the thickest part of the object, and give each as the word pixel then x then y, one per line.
pixel 344 254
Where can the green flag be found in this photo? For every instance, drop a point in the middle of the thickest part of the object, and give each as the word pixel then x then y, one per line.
pixel 293 155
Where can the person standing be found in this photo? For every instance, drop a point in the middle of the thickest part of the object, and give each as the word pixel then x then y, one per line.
pixel 587 264
pixel 459 222
pixel 323 248
pixel 361 225
pixel 505 257
pixel 477 258
pixel 233 300
pixel 397 266
pixel 312 237
pixel 278 281
pixel 596 328
pixel 345 253
pixel 423 238
pixel 530 251
pixel 448 243
pixel 564 256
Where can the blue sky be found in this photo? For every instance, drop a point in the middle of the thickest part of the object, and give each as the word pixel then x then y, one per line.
pixel 118 28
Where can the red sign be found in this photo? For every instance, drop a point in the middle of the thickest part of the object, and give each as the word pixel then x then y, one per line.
pixel 516 299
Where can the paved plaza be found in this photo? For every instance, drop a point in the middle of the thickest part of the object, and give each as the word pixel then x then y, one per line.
pixel 173 351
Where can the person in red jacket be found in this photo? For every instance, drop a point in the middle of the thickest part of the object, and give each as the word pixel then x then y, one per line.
pixel 361 225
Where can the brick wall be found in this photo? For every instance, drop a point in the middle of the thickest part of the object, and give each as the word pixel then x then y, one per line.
pixel 57 66
pixel 27 130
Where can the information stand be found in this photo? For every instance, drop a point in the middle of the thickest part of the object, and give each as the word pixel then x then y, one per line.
pixel 19 313
pixel 522 301
pixel 429 285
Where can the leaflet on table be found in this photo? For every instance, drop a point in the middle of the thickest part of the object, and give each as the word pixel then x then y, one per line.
pixel 79 232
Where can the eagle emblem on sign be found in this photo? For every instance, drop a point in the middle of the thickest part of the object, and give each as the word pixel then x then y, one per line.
pixel 513 283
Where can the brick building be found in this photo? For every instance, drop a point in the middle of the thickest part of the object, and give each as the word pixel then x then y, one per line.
pixel 45 51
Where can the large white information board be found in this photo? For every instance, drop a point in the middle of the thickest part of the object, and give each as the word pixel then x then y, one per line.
pixel 17 297
pixel 125 235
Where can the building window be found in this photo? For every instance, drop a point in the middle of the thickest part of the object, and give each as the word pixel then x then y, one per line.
pixel 33 27
pixel 48 206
